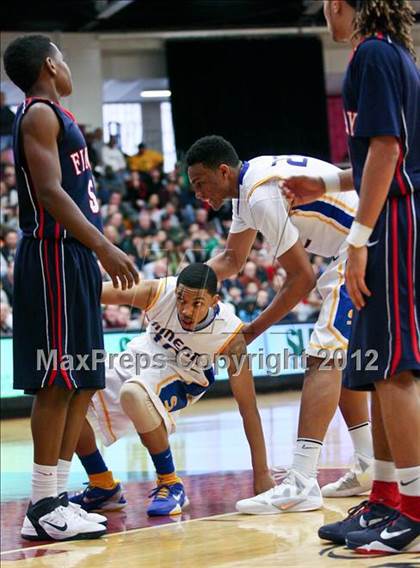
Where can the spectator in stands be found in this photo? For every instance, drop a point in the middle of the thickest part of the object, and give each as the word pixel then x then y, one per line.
pixel 7 117
pixel 249 275
pixel 6 322
pixel 112 234
pixel 144 225
pixel 249 311
pixel 7 282
pixel 9 247
pixel 262 299
pixel 113 157
pixel 111 317
pixel 145 160
pixel 97 144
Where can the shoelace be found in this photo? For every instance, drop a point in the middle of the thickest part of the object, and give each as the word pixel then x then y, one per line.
pixel 160 492
pixel 361 507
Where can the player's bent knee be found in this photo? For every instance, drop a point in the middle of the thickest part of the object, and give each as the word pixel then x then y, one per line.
pixel 137 405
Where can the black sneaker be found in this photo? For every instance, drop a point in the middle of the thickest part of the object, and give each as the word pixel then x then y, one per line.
pixel 398 535
pixel 359 517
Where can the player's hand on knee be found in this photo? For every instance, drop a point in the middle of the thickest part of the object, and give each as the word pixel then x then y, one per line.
pixel 118 265
pixel 355 276
pixel 299 190
pixel 263 482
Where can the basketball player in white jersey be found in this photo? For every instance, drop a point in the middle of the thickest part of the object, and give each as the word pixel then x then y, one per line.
pixel 160 373
pixel 216 173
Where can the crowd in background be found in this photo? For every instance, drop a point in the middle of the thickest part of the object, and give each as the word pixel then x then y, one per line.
pixel 154 218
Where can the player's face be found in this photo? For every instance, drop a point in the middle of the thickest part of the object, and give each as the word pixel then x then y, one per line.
pixel 210 185
pixel 193 305
pixel 63 74
pixel 339 17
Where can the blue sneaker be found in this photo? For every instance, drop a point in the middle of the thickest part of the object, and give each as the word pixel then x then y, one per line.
pixel 359 517
pixel 167 500
pixel 98 499
pixel 399 535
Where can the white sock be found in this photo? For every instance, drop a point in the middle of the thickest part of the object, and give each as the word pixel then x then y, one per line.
pixel 306 456
pixel 44 482
pixel 384 471
pixel 409 480
pixel 63 471
pixel 361 437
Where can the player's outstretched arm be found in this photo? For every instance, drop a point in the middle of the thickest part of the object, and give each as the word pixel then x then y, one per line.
pixel 242 385
pixel 299 282
pixel 229 262
pixel 305 189
pixel 40 131
pixel 139 296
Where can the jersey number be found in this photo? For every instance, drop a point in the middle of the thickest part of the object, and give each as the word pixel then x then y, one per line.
pixel 93 202
pixel 302 162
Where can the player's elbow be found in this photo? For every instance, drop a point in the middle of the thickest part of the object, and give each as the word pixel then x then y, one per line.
pixel 305 279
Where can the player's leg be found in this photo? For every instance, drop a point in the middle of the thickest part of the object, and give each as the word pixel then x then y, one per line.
pixel 48 515
pixel 400 410
pixel 103 493
pixel 354 409
pixel 169 496
pixel 299 489
pixel 384 497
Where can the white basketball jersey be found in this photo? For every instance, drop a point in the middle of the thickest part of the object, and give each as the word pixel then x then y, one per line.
pixel 322 226
pixel 166 342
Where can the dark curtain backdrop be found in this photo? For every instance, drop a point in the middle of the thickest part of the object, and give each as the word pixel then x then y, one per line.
pixel 267 96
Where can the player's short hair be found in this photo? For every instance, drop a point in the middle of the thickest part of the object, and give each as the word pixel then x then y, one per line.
pixel 198 276
pixel 211 151
pixel 24 58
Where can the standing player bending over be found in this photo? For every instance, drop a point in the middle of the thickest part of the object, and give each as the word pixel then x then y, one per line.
pixel 57 281
pixel 216 173
pixel 188 328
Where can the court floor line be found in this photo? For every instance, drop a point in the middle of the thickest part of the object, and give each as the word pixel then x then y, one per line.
pixel 130 531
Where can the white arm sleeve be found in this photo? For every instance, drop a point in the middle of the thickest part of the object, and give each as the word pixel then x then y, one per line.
pixel 270 216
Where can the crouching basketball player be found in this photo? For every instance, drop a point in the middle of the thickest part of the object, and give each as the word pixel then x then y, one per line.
pixel 188 328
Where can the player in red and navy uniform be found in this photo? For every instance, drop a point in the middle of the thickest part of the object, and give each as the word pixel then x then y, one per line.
pixel 57 282
pixel 381 95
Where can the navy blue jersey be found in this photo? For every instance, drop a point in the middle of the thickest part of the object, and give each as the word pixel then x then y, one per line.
pixel 77 179
pixel 381 96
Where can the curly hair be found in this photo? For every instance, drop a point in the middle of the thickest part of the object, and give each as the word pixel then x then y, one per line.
pixel 393 17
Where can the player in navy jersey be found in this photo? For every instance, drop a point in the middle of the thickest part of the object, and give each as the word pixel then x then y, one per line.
pixel 57 282
pixel 381 96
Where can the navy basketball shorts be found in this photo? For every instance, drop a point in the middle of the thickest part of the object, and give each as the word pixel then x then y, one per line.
pixel 57 322
pixel 385 334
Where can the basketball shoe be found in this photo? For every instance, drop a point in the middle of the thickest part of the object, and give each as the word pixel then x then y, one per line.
pixel 356 481
pixel 49 520
pixel 99 499
pixel 359 517
pixel 399 535
pixel 168 499
pixel 93 517
pixel 295 493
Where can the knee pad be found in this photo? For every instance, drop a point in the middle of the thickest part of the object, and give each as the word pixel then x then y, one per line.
pixel 137 405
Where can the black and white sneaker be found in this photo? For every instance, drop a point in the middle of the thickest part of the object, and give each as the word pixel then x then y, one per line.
pixel 49 520
pixel 398 536
pixel 359 517
pixel 93 517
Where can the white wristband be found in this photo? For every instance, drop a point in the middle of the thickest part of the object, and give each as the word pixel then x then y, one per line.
pixel 332 182
pixel 359 235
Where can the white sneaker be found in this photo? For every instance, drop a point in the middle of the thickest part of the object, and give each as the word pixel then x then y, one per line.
pixel 356 481
pixel 49 520
pixel 92 517
pixel 295 493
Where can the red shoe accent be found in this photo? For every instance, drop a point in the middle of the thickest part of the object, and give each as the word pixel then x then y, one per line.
pixel 387 493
